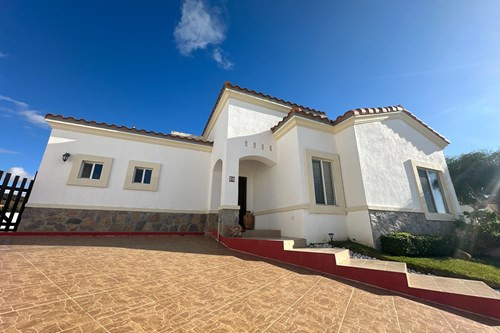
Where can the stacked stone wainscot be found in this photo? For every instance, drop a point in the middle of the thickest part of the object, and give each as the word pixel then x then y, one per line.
pixel 84 220
pixel 385 222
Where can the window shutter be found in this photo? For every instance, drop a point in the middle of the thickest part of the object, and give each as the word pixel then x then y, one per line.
pixel 328 179
pixel 318 183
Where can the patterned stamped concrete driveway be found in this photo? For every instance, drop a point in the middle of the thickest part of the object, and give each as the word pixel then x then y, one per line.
pixel 191 284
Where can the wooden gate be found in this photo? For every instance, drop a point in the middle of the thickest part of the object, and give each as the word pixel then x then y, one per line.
pixel 13 197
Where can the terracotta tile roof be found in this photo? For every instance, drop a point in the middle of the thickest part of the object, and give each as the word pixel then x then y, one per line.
pixel 125 129
pixel 297 111
pixel 351 113
pixel 229 85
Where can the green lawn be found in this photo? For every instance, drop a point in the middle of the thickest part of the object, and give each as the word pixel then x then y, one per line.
pixel 484 269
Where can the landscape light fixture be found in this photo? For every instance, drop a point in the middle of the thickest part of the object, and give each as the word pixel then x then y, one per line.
pixel 66 156
pixel 331 234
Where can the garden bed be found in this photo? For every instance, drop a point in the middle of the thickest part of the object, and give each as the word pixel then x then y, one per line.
pixel 483 269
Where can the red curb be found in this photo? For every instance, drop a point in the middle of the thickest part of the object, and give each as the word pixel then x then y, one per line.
pixel 104 233
pixel 392 281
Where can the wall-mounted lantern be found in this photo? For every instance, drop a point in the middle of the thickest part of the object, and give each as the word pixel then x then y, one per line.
pixel 66 156
pixel 232 179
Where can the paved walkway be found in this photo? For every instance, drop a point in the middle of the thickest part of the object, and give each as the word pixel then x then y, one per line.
pixel 191 284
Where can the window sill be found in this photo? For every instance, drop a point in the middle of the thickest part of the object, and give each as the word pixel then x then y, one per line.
pixel 141 187
pixel 87 182
pixel 439 216
pixel 324 209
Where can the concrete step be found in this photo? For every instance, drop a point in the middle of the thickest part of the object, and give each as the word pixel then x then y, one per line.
pixel 261 233
pixel 390 266
pixel 451 285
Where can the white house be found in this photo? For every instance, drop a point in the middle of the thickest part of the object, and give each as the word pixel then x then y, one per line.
pixel 368 172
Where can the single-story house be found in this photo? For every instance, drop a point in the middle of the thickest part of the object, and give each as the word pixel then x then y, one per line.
pixel 368 172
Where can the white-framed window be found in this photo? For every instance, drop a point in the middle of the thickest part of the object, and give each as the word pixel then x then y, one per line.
pixel 433 191
pixel 324 179
pixel 324 191
pixel 90 170
pixel 142 176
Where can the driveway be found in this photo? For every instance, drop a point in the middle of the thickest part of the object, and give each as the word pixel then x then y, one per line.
pixel 191 284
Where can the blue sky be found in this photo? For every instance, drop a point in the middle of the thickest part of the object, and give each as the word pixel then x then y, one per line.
pixel 159 65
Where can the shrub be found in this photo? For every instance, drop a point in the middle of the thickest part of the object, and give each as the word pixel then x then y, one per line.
pixel 481 235
pixel 406 244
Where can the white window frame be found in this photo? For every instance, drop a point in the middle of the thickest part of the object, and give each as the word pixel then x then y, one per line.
pixel 94 163
pixel 338 186
pixel 143 175
pixel 129 178
pixel 76 169
pixel 321 161
pixel 445 191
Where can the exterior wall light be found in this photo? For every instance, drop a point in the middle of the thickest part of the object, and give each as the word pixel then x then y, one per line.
pixel 66 156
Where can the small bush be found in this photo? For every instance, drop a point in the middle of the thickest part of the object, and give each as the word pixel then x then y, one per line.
pixel 405 244
pixel 481 235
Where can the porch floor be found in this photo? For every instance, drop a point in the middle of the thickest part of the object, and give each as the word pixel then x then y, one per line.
pixel 192 284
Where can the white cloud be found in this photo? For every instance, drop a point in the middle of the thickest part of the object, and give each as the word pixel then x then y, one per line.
pixel 23 111
pixel 13 101
pixel 201 26
pixel 19 171
pixel 3 55
pixel 34 117
pixel 7 151
pixel 221 59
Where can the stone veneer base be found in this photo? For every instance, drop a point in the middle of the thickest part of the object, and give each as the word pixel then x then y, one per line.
pixel 385 222
pixel 89 220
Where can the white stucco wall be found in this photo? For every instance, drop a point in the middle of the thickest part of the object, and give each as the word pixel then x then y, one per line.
pixel 291 223
pixel 279 186
pixel 385 148
pixel 284 186
pixel 347 148
pixel 183 181
pixel 358 228
pixel 248 119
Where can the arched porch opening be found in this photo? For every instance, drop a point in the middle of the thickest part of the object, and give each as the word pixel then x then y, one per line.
pixel 252 175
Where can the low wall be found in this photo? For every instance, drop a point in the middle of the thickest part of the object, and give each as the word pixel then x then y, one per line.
pixel 393 281
pixel 385 222
pixel 83 220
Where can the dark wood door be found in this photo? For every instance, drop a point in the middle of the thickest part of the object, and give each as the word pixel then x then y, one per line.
pixel 242 197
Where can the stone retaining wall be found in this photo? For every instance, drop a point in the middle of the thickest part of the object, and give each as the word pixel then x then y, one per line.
pixel 384 222
pixel 83 220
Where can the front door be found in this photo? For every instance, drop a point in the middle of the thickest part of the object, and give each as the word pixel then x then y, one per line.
pixel 242 197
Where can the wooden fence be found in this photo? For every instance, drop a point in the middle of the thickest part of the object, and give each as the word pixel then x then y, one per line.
pixel 13 197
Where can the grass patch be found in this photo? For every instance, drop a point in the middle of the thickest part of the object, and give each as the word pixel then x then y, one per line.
pixel 483 269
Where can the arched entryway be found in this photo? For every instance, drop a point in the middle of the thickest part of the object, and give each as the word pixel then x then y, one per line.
pixel 251 183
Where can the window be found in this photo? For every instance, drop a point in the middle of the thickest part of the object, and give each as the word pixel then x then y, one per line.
pixel 142 176
pixel 323 182
pixel 433 191
pixel 90 170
